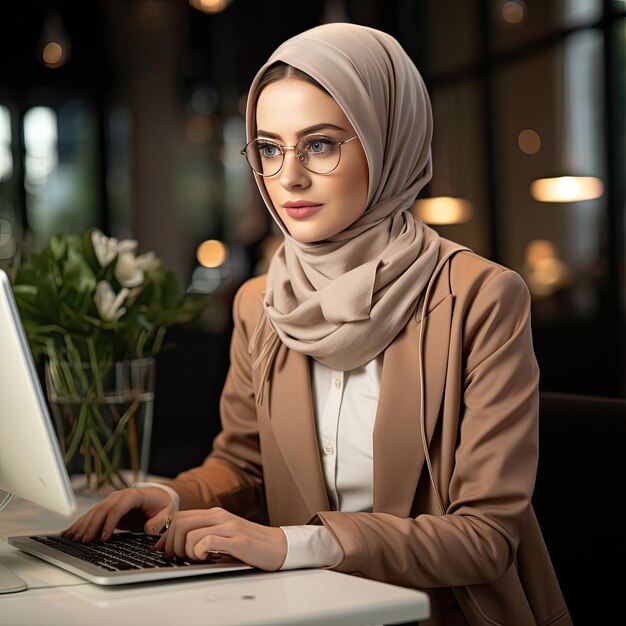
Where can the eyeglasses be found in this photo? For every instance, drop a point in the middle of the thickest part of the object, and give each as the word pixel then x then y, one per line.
pixel 317 153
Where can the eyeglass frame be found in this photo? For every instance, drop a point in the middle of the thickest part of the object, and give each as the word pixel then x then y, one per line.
pixel 299 154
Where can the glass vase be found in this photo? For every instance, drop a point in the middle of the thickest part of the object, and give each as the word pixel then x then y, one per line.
pixel 103 419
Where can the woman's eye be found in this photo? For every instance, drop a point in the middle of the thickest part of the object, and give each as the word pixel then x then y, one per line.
pixel 268 150
pixel 319 146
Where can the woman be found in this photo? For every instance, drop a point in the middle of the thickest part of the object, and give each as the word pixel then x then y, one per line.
pixel 381 405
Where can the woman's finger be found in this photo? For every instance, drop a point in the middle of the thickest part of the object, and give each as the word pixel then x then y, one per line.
pixel 174 540
pixel 207 543
pixel 105 518
pixel 84 523
pixel 161 520
pixel 131 506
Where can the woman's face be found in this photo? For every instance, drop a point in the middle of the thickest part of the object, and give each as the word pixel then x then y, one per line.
pixel 313 207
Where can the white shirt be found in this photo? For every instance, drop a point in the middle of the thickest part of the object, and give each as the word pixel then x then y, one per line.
pixel 345 405
pixel 345 410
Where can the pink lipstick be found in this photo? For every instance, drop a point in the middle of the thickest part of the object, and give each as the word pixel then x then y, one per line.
pixel 299 209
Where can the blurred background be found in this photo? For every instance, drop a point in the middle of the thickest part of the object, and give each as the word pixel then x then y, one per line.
pixel 128 115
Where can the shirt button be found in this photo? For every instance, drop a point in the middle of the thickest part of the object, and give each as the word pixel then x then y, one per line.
pixel 328 449
pixel 338 383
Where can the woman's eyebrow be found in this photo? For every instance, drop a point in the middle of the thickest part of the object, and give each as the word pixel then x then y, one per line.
pixel 316 128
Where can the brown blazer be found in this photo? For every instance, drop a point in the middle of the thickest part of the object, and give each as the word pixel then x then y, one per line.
pixel 473 542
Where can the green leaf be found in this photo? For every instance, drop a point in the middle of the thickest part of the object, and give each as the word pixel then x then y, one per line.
pixel 89 253
pixel 58 247
pixel 77 436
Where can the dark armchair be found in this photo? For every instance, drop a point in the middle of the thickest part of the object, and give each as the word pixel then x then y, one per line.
pixel 579 501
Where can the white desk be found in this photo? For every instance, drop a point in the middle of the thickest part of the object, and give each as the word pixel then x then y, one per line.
pixel 302 597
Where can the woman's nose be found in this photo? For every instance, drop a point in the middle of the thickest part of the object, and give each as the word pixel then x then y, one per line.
pixel 293 173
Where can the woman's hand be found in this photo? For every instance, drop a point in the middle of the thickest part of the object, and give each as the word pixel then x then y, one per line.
pixel 136 508
pixel 195 534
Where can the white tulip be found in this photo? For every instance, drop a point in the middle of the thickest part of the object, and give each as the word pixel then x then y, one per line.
pixel 147 261
pixel 104 247
pixel 126 246
pixel 109 304
pixel 130 269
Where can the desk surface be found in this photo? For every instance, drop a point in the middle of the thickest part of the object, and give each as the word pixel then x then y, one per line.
pixel 301 597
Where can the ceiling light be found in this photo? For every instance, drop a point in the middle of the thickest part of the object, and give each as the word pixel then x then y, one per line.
pixel 567 189
pixel 210 6
pixel 443 210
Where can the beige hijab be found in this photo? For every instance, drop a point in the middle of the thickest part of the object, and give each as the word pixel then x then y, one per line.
pixel 343 301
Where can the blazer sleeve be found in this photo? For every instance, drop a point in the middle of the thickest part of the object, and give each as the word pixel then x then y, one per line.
pixel 231 476
pixel 475 538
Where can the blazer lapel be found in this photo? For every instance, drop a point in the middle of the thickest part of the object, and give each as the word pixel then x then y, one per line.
pixel 293 424
pixel 398 449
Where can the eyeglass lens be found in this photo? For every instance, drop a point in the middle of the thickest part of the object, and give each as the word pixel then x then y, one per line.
pixel 318 153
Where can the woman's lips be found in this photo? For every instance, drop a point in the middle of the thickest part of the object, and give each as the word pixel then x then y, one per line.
pixel 300 210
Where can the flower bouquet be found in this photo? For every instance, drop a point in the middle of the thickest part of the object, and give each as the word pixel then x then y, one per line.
pixel 98 314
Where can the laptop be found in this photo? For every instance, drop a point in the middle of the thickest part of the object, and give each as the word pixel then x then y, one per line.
pixel 31 467
pixel 126 558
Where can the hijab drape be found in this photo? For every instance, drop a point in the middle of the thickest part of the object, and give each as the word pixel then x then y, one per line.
pixel 342 301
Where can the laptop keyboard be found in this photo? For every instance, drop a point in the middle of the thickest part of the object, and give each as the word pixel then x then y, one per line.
pixel 124 551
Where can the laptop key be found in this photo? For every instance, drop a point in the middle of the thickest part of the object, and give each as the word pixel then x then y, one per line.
pixel 121 565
